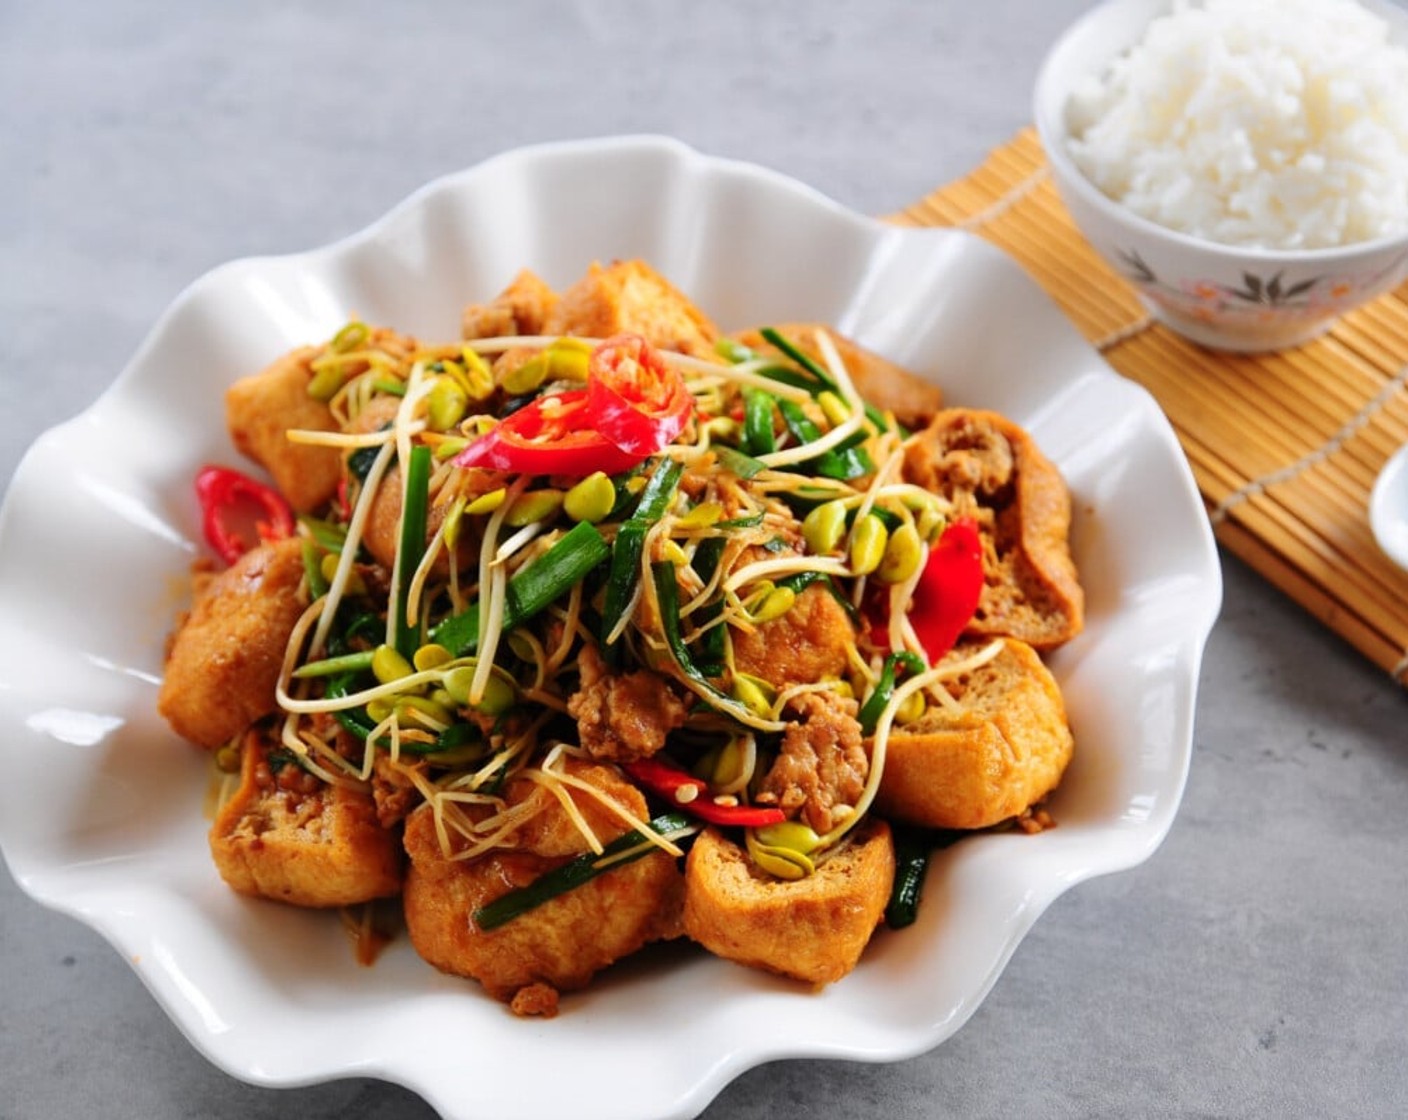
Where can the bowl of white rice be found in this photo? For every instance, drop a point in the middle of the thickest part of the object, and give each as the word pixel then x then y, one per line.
pixel 1243 163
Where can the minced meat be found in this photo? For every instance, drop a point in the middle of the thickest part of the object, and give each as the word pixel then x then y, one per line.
pixel 622 717
pixel 822 767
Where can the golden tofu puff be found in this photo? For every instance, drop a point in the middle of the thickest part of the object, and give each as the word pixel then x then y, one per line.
pixel 989 467
pixel 812 929
pixel 288 836
pixel 223 665
pixel 631 296
pixel 561 943
pixel 381 534
pixel 1000 752
pixel 912 399
pixel 294 392
pixel 261 408
pixel 811 642
pixel 520 309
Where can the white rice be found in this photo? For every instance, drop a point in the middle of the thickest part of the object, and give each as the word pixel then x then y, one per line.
pixel 1281 124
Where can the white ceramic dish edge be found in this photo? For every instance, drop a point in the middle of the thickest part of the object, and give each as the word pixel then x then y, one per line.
pixel 119 843
pixel 1388 508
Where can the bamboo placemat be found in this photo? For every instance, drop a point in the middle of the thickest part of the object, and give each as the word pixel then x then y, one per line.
pixel 1284 447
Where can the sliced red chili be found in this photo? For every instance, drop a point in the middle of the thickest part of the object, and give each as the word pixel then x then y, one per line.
pixel 740 816
pixel 635 398
pixel 634 404
pixel 550 435
pixel 232 504
pixel 947 593
pixel 670 782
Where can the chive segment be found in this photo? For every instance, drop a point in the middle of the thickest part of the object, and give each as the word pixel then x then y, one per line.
pixel 885 687
pixel 626 553
pixel 913 849
pixel 532 589
pixel 842 463
pixel 758 437
pixel 356 662
pixel 801 357
pixel 626 848
pixel 667 592
pixel 312 569
pixel 805 360
pixel 744 466
pixel 414 513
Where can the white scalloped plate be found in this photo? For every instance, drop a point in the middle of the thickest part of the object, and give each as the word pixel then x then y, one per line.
pixel 100 812
pixel 1388 508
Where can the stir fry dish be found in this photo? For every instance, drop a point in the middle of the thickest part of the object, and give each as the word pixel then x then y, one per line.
pixel 598 627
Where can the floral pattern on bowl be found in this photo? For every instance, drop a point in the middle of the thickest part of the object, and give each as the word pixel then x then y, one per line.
pixel 1255 296
pixel 1293 307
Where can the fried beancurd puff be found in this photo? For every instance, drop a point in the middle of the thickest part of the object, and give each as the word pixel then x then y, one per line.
pixel 992 470
pixel 291 837
pixel 1000 750
pixel 812 929
pixel 224 660
pixel 632 296
pixel 811 642
pixel 382 535
pixel 261 409
pixel 560 944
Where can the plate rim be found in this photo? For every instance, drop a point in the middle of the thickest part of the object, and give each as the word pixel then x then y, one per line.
pixel 697 1095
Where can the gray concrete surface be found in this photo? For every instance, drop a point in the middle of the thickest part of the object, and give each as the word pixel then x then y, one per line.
pixel 1257 966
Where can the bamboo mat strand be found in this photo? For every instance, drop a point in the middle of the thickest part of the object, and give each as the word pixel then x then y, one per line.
pixel 1284 447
